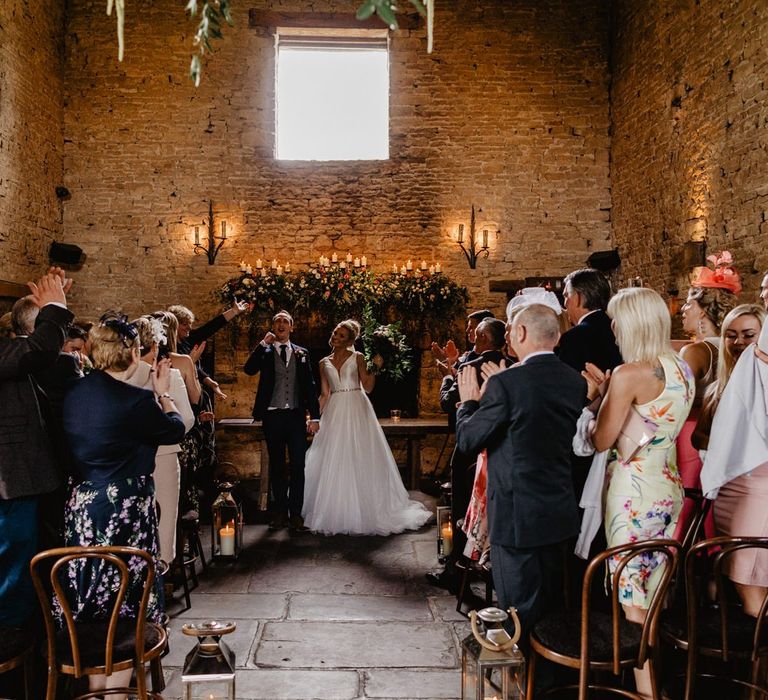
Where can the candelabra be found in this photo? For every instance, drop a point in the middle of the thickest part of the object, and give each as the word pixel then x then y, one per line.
pixel 213 248
pixel 471 251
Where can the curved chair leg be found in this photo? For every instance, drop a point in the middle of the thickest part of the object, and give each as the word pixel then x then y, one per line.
pixel 156 674
pixel 28 677
pixel 690 672
pixel 531 680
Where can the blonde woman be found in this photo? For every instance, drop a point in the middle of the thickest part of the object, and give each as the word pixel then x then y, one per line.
pixel 352 483
pixel 644 494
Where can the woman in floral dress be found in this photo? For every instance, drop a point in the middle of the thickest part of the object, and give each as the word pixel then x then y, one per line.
pixel 113 430
pixel 644 494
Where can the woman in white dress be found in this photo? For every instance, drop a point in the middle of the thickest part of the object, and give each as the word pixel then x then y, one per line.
pixel 352 482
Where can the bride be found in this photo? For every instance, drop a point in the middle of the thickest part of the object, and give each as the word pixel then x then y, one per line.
pixel 352 483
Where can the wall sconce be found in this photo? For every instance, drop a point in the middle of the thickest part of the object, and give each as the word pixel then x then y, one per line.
pixel 213 248
pixel 471 251
pixel 694 254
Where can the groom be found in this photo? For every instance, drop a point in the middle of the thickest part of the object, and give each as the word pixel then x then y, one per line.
pixel 286 393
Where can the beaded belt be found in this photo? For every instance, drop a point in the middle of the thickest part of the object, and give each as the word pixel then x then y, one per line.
pixel 338 391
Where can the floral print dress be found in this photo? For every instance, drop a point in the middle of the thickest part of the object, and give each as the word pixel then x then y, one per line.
pixel 645 495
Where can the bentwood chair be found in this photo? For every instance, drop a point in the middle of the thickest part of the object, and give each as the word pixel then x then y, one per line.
pixel 16 646
pixel 590 640
pixel 718 629
pixel 99 647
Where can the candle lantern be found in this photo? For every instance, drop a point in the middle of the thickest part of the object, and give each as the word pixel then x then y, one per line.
pixel 226 524
pixel 209 669
pixel 444 532
pixel 492 665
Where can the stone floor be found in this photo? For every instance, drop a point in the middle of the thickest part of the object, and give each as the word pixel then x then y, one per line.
pixel 329 618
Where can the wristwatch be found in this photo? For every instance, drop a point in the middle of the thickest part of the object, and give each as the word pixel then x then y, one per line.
pixel 165 396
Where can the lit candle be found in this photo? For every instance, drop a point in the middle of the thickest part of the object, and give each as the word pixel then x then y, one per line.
pixel 223 230
pixel 446 533
pixel 460 234
pixel 263 272
pixel 321 259
pixel 364 261
pixel 334 258
pixel 259 264
pixel 249 269
pixel 197 235
pixel 485 238
pixel 357 262
pixel 394 267
pixel 349 257
pixel 342 265
pixel 279 269
pixel 242 266
pixel 274 264
pixel 438 268
pixel 423 264
pixel 409 266
pixel 402 270
pixel 431 269
pixel 227 538
pixel 287 268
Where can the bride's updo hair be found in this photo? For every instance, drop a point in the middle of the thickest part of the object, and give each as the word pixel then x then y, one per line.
pixel 353 327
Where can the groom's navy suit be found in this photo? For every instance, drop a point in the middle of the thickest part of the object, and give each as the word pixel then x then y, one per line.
pixel 286 393
pixel 527 419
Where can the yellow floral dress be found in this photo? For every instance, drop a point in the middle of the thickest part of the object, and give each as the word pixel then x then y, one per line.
pixel 644 496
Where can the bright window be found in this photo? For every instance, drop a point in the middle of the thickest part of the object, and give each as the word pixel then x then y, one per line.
pixel 332 97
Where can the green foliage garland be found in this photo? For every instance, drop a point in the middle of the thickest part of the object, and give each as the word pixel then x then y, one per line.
pixel 388 341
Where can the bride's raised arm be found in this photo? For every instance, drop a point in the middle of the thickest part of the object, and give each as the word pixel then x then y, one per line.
pixel 367 379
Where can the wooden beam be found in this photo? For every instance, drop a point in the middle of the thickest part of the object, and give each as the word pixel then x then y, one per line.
pixel 269 19
pixel 13 290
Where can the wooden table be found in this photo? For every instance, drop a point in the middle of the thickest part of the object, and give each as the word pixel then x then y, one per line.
pixel 414 430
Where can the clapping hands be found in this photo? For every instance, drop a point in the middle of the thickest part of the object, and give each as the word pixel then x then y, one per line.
pixel 161 376
pixel 597 381
pixel 445 357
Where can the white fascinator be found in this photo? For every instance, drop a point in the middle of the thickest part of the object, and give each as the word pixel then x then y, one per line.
pixel 534 295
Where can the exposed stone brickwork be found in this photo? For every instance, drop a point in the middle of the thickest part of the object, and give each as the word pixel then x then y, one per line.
pixel 689 106
pixel 31 140
pixel 510 113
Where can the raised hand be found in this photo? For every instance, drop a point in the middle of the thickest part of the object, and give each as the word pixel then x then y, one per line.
pixel 197 352
pixel 438 353
pixel 597 380
pixel 488 369
pixel 451 353
pixel 50 288
pixel 469 389
pixel 240 306
pixel 161 376
pixel 269 338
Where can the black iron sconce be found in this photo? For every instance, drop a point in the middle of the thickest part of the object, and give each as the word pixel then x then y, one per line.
pixel 471 250
pixel 213 248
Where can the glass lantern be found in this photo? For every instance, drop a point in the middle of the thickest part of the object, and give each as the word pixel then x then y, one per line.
pixel 444 532
pixel 209 669
pixel 226 524
pixel 492 665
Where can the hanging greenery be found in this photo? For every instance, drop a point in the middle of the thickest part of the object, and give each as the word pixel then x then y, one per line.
pixel 423 302
pixel 387 341
pixel 213 13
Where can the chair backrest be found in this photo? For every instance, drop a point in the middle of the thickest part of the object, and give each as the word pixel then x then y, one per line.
pixel 701 508
pixel 115 556
pixel 624 554
pixel 719 550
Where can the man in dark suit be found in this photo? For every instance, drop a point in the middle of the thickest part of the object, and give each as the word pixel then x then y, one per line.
pixel 526 419
pixel 286 393
pixel 586 294
pixel 28 466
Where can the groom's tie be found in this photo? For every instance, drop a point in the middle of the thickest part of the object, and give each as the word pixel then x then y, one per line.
pixel 284 354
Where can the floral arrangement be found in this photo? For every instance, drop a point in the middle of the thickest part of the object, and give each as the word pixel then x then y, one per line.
pixel 425 302
pixel 388 342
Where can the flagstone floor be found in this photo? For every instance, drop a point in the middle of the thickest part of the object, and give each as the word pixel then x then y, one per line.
pixel 333 618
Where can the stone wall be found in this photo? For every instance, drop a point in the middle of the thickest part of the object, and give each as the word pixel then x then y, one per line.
pixel 31 141
pixel 689 106
pixel 510 113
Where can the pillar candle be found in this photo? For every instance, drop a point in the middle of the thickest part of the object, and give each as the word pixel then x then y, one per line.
pixel 409 266
pixel 485 238
pixel 274 264
pixel 438 268
pixel 423 264
pixel 394 267
pixel 334 258
pixel 258 264
pixel 263 272
pixel 364 261
pixel 402 270
pixel 287 268
pixel 357 262
pixel 227 539
pixel 431 269
pixel 242 266
pixel 343 265
pixel 197 235
pixel 349 257
pixel 447 534
pixel 224 230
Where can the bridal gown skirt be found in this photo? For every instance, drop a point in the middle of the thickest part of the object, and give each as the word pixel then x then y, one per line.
pixel 352 482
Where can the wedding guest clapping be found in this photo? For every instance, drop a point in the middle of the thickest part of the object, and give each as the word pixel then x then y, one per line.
pixel 166 474
pixel 28 466
pixel 735 471
pixel 645 494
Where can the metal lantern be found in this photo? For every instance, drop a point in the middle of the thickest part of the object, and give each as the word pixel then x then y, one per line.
pixel 492 665
pixel 209 669
pixel 444 532
pixel 226 524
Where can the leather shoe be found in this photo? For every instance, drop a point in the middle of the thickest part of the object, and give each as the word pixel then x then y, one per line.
pixel 297 524
pixel 442 579
pixel 278 523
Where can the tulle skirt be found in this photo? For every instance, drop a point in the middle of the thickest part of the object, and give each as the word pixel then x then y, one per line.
pixel 352 482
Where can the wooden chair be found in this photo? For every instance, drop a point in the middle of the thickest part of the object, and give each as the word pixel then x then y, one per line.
pixel 701 508
pixel 16 646
pixel 718 629
pixel 588 640
pixel 104 646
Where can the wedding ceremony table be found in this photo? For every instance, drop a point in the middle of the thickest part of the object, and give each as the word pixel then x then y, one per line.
pixel 413 430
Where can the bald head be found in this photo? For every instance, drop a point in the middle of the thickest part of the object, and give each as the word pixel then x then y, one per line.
pixel 534 329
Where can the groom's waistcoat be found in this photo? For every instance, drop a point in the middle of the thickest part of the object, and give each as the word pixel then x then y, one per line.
pixel 286 391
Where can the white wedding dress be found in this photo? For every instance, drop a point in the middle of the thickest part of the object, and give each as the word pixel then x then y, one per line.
pixel 352 483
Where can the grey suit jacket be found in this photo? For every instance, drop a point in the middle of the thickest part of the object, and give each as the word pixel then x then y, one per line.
pixel 28 466
pixel 526 419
